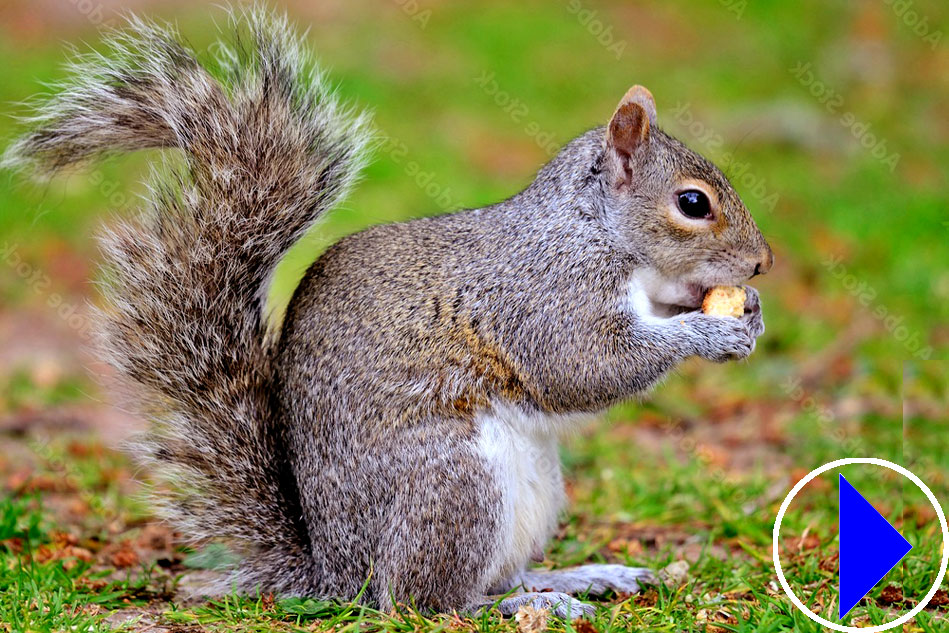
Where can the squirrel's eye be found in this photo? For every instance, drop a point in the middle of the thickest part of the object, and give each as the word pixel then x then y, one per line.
pixel 694 204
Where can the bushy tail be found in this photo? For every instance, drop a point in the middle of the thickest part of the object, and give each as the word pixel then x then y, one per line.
pixel 267 150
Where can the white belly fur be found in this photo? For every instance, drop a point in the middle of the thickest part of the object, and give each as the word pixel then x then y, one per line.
pixel 521 449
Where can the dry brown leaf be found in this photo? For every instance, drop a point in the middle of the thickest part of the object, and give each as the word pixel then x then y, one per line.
pixel 85 449
pixel 46 553
pixel 890 595
pixel 88 583
pixel 808 541
pixel 584 626
pixel 80 553
pixel 630 547
pixel 714 618
pixel 125 557
pixel 531 620
pixel 830 563
pixel 797 474
pixel 648 598
pixel 941 599
pixel 63 539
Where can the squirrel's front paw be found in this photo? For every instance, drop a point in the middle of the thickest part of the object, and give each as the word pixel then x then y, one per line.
pixel 721 339
pixel 752 316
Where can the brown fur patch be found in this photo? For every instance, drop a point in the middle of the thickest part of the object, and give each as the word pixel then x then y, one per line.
pixel 489 364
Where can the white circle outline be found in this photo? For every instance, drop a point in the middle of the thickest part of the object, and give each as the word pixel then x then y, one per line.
pixel 877 462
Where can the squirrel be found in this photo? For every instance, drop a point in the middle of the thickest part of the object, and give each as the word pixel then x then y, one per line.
pixel 395 439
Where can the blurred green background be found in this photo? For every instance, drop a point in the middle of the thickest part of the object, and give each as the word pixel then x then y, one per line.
pixel 831 118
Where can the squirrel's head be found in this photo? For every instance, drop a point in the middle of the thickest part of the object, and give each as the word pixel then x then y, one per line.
pixel 677 208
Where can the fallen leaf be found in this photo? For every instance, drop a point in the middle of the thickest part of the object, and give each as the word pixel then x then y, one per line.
pixel 63 539
pixel 584 626
pixel 890 595
pixel 88 583
pixel 941 599
pixel 79 553
pixel 125 557
pixel 531 620
pixel 712 620
pixel 26 482
pixel 648 598
pixel 797 474
pixel 46 553
pixel 85 449
pixel 630 547
pixel 830 563
pixel 807 542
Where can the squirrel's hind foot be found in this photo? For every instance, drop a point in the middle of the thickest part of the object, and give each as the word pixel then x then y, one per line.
pixel 558 603
pixel 594 580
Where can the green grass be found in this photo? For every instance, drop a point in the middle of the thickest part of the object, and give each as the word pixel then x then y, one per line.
pixel 731 579
pixel 698 470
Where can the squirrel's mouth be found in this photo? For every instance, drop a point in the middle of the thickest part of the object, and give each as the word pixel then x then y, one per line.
pixel 675 310
pixel 685 297
pixel 694 295
pixel 656 296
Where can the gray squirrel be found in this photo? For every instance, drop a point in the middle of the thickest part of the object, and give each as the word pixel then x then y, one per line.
pixel 400 429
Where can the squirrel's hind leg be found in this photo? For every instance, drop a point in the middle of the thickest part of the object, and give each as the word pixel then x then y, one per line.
pixel 440 542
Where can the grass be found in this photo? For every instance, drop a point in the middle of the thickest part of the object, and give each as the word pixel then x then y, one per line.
pixel 858 301
pixel 687 515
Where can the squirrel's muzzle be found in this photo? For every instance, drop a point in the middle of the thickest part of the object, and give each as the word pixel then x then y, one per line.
pixel 764 262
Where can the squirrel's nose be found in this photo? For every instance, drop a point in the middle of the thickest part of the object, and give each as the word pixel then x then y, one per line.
pixel 765 261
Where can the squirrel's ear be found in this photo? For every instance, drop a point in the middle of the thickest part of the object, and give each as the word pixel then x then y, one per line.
pixel 629 128
pixel 642 96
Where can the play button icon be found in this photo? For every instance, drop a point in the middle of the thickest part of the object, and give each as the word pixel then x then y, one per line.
pixel 869 547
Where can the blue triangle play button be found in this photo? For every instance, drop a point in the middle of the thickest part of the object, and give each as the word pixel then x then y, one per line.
pixel 869 547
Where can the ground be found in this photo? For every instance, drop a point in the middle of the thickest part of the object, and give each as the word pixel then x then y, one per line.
pixel 830 121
